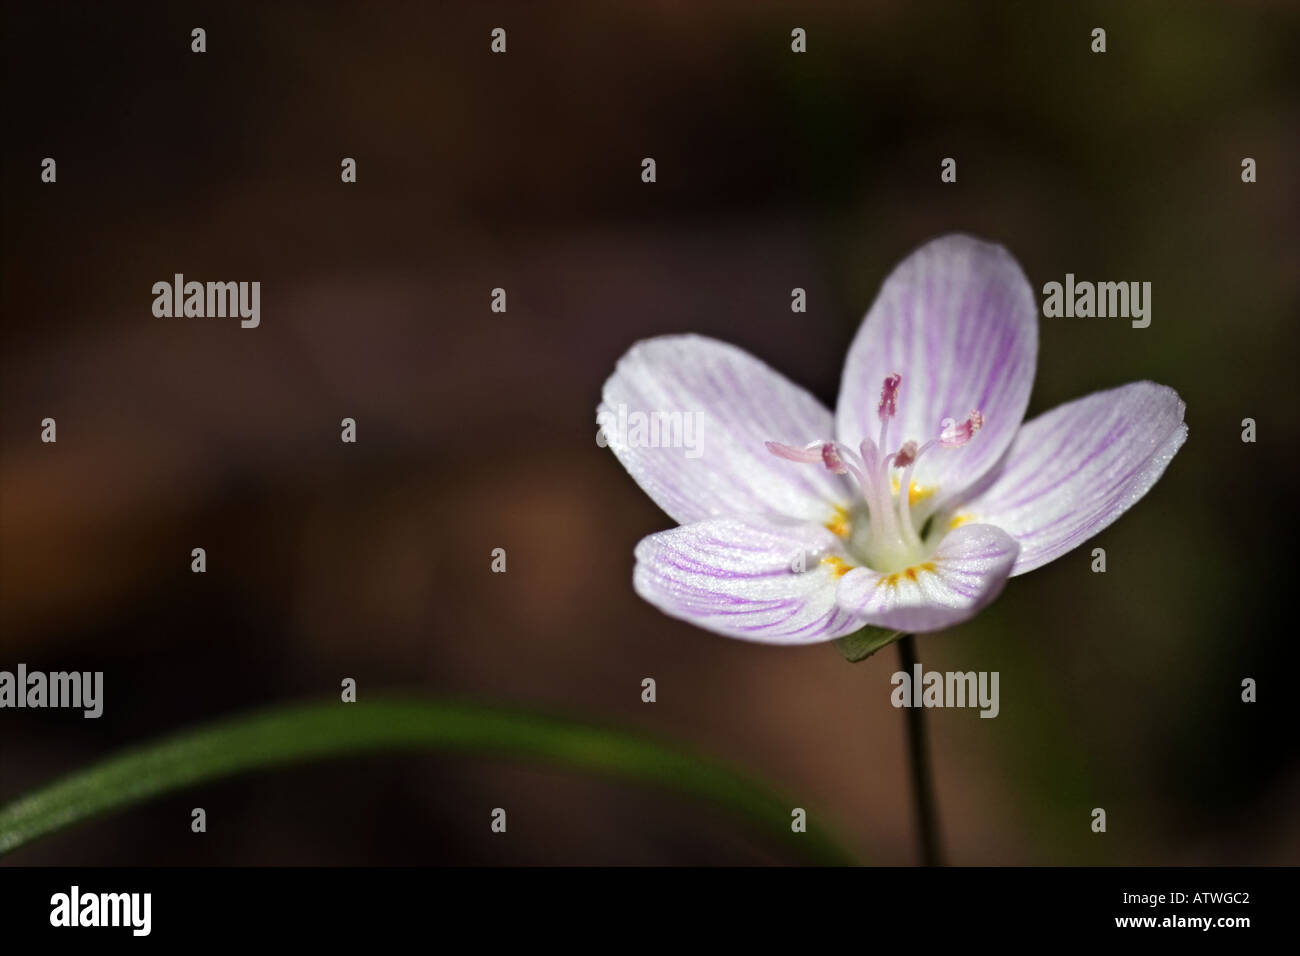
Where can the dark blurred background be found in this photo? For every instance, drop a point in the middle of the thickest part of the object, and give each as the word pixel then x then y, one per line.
pixel 476 430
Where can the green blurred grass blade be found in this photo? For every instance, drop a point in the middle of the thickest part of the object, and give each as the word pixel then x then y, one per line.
pixel 304 732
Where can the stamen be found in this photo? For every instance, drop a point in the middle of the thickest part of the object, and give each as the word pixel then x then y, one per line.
pixel 888 538
pixel 842 461
pixel 954 436
pixel 905 496
pixel 888 406
pixel 838 460
pixel 831 458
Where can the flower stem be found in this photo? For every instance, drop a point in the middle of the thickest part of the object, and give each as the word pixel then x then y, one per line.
pixel 919 756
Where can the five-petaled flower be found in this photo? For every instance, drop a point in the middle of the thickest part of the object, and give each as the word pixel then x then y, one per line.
pixel 912 505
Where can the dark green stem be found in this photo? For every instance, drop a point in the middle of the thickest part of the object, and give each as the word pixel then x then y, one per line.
pixel 918 751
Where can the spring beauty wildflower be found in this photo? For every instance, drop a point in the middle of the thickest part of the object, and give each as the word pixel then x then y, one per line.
pixel 911 506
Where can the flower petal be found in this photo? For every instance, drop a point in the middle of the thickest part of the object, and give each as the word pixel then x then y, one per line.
pixel 730 405
pixel 965 573
pixel 958 319
pixel 735 576
pixel 1073 470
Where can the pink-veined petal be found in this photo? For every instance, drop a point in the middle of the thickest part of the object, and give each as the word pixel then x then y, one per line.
pixel 736 404
pixel 958 319
pixel 1073 470
pixel 736 576
pixel 965 573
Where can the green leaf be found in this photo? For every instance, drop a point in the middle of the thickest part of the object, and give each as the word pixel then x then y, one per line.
pixel 860 645
pixel 303 732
